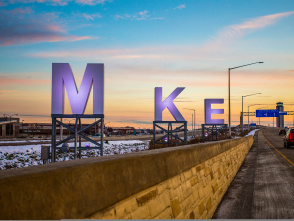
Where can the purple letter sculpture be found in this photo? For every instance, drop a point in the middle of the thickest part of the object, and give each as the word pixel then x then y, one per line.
pixel 167 103
pixel 62 77
pixel 209 111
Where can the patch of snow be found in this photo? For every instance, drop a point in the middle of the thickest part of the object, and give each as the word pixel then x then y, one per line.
pixel 22 141
pixel 30 155
pixel 252 133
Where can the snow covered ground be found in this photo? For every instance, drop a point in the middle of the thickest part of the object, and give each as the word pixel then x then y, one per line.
pixel 30 155
pixel 252 132
pixel 22 141
pixel 14 141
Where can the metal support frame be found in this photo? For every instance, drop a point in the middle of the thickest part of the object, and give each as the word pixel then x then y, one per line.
pixel 78 133
pixel 248 113
pixel 213 130
pixel 242 114
pixel 170 133
pixel 254 114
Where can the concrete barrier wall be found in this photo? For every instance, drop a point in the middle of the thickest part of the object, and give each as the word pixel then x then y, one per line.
pixel 178 182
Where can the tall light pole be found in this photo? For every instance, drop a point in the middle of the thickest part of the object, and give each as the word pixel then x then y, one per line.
pixel 193 123
pixel 248 111
pixel 260 62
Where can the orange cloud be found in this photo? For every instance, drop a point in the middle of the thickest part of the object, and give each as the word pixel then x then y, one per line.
pixel 22 81
pixel 4 91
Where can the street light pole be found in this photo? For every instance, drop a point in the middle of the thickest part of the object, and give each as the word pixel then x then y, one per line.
pixel 192 126
pixel 229 75
pixel 230 102
pixel 193 123
pixel 248 116
pixel 248 111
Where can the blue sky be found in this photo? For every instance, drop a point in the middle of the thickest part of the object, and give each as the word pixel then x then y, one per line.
pixel 145 44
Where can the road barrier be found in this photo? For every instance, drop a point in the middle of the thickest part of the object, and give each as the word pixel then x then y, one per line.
pixel 178 182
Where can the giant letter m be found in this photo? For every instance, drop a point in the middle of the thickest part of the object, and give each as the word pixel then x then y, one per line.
pixel 62 77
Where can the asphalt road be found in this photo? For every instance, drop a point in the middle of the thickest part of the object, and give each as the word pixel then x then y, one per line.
pixel 271 135
pixel 264 186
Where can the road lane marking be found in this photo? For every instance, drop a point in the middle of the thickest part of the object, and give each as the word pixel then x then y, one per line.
pixel 289 161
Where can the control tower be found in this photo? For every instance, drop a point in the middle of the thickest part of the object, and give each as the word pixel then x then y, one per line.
pixel 280 119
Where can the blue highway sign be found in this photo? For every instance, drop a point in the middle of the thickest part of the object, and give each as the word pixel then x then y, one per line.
pixel 267 113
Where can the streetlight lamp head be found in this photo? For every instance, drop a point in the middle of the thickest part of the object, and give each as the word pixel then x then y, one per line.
pixel 261 62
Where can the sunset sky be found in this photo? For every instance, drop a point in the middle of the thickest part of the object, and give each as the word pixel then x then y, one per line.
pixel 146 44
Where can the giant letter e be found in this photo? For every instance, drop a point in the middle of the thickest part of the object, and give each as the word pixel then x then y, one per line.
pixel 209 111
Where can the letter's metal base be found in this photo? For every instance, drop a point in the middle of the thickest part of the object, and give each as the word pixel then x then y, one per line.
pixel 78 133
pixel 171 136
pixel 211 132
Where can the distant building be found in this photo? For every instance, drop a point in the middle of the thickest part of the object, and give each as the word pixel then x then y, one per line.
pixel 12 128
pixel 31 129
pixel 9 127
pixel 123 130
pixel 280 119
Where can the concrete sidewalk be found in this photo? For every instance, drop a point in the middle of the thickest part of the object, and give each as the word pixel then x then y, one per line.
pixel 262 189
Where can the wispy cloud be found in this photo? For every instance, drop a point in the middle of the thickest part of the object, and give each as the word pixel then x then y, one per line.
pixel 21 26
pixel 167 53
pixel 231 33
pixel 143 15
pixel 48 2
pixel 54 2
pixel 34 115
pixel 88 16
pixel 6 81
pixel 21 12
pixel 90 2
pixel 3 4
pixel 210 51
pixel 180 7
pixel 4 92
